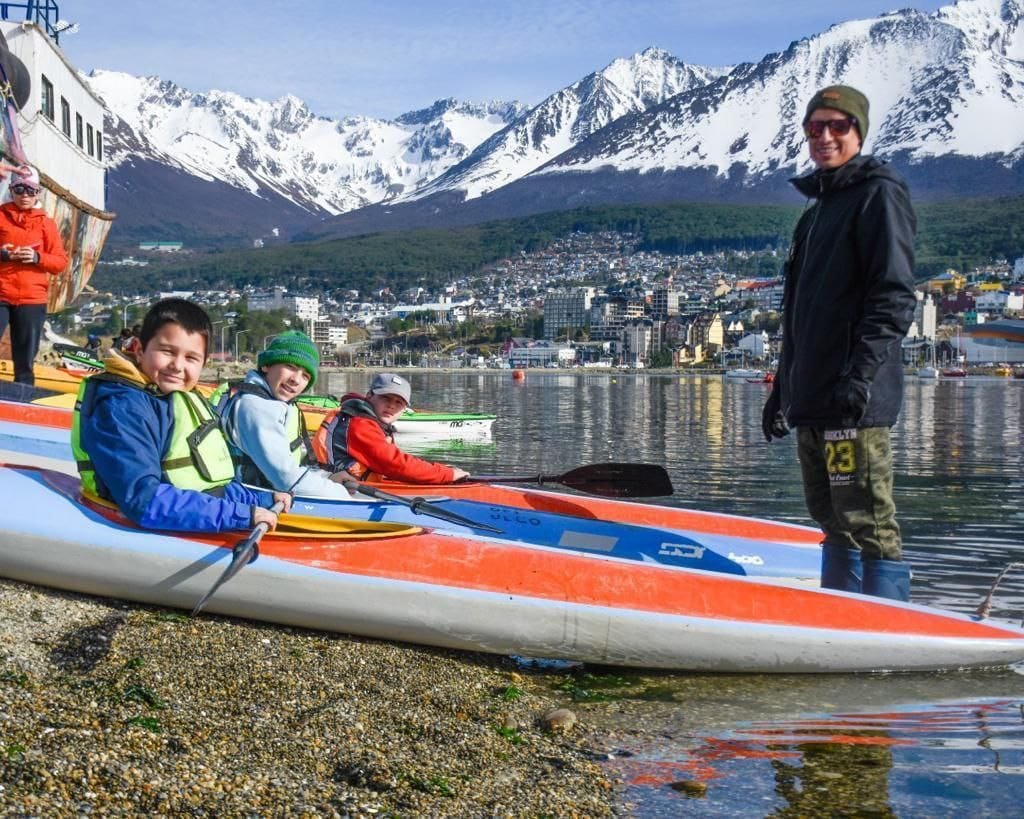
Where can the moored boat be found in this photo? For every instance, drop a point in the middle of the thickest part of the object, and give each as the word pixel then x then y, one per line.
pixel 465 425
pixel 954 372
pixel 746 374
pixel 77 360
pixel 59 129
pixel 928 372
pixel 486 595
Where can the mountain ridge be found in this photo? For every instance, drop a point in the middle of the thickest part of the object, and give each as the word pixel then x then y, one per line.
pixel 647 128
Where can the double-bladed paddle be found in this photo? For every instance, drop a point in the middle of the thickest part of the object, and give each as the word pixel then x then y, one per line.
pixel 419 506
pixel 243 552
pixel 610 479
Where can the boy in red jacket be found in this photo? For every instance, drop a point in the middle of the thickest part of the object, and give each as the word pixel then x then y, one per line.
pixel 359 439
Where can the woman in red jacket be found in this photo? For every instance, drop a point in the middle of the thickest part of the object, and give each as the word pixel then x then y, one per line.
pixel 31 252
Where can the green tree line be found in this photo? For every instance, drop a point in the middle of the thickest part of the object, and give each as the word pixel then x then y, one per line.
pixel 959 234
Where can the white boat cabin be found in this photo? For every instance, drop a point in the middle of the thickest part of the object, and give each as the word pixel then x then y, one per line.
pixel 62 123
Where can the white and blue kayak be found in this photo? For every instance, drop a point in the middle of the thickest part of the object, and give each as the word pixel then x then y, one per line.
pixel 397 582
pixel 696 541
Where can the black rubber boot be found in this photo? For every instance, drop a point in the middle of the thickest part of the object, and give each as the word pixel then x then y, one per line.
pixel 887 578
pixel 841 568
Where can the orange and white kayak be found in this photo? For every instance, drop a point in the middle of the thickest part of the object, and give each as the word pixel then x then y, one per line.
pixel 484 594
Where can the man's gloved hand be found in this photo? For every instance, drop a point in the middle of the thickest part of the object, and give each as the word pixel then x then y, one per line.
pixel 851 398
pixel 773 422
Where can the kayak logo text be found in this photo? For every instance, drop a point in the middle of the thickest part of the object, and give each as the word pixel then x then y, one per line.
pixel 692 551
pixel 749 560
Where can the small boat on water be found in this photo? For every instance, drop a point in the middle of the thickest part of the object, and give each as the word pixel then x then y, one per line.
pixel 404 583
pixel 416 423
pixel 746 374
pixel 928 372
pixel 954 372
pixel 77 360
pixel 464 425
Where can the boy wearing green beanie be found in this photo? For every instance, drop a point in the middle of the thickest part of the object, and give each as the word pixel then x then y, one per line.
pixel 264 427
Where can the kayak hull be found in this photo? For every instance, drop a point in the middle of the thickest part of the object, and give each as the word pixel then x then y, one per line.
pixel 488 595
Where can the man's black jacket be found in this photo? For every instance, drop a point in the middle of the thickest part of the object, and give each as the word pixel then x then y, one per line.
pixel 849 294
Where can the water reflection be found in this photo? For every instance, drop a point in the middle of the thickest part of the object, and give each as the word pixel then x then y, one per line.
pixel 810 746
pixel 930 759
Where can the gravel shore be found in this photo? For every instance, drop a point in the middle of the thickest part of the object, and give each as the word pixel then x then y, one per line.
pixel 111 708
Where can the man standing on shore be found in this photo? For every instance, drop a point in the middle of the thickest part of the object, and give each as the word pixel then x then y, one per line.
pixel 848 302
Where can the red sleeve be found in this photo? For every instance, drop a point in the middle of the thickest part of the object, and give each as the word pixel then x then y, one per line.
pixel 368 444
pixel 52 256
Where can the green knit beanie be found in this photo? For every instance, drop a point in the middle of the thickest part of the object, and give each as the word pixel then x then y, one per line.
pixel 292 347
pixel 842 98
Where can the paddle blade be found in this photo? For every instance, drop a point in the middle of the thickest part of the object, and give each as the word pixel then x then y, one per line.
pixel 618 480
pixel 241 554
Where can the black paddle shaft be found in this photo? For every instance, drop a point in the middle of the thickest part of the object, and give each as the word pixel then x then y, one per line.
pixel 613 480
pixel 420 506
pixel 242 553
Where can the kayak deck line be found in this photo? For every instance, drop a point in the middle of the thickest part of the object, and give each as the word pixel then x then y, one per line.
pixel 640 514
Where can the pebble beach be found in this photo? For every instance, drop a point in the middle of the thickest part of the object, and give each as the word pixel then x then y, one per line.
pixel 111 708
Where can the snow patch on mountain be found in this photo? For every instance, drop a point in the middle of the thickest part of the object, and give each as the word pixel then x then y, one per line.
pixel 568 117
pixel 257 145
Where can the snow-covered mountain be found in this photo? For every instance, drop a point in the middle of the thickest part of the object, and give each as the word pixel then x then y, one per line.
pixel 947 108
pixel 323 165
pixel 568 117
pixel 940 85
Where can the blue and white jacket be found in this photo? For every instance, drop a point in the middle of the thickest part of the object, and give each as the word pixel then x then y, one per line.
pixel 258 427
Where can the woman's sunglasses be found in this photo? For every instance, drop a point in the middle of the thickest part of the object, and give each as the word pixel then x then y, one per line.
pixel 814 128
pixel 24 190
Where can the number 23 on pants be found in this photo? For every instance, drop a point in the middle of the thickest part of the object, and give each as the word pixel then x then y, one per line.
pixel 841 455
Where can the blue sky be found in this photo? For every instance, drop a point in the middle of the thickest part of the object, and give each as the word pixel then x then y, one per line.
pixel 385 57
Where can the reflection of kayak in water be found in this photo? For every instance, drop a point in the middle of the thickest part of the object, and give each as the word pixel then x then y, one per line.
pixel 428 445
pixel 486 594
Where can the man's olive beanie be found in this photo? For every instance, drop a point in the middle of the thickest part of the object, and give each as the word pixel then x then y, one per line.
pixel 842 98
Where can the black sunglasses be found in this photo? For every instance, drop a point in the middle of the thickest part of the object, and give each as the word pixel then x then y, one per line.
pixel 839 127
pixel 24 190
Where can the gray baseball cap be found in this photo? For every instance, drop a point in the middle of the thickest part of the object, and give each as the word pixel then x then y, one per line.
pixel 391 384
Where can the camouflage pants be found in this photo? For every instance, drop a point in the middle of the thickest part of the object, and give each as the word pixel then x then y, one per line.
pixel 848 487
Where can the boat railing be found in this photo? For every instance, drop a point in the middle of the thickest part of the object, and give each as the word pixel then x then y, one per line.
pixel 44 13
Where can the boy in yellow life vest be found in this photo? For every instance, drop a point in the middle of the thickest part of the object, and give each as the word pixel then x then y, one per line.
pixel 144 439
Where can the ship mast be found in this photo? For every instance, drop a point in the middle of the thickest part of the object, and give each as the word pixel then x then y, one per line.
pixel 44 13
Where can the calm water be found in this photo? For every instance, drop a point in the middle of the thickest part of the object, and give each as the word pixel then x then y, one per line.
pixel 899 745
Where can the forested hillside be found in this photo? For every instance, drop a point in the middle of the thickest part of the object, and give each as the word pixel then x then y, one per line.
pixel 953 234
